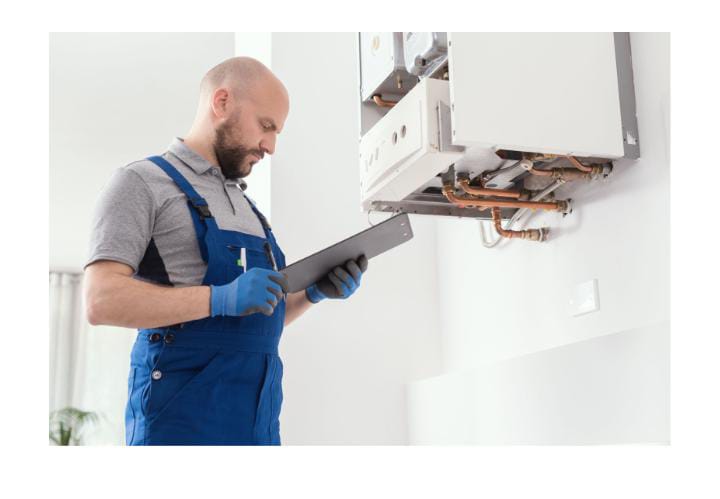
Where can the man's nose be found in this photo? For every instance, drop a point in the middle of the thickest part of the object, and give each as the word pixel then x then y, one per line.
pixel 267 145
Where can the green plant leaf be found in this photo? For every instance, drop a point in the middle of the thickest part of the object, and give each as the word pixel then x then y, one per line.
pixel 68 424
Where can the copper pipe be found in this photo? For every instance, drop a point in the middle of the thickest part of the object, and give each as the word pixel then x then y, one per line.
pixel 485 203
pixel 383 103
pixel 580 172
pixel 542 173
pixel 577 164
pixel 532 234
pixel 564 173
pixel 475 191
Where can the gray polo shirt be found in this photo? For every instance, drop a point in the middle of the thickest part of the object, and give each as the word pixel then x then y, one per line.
pixel 142 218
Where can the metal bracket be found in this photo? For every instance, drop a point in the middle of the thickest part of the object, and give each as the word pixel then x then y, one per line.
pixel 436 206
pixel 448 177
pixel 626 91
pixel 445 129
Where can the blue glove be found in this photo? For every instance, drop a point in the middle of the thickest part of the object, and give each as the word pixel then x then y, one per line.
pixel 340 283
pixel 257 290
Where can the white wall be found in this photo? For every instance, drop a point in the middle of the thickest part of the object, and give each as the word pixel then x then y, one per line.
pixel 610 389
pixel 346 362
pixel 502 303
pixel 258 46
pixel 114 98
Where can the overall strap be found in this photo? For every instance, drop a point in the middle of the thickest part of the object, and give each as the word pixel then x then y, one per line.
pixel 270 238
pixel 199 209
pixel 261 217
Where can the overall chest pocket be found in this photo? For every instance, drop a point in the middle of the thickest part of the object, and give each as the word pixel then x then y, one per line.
pixel 239 259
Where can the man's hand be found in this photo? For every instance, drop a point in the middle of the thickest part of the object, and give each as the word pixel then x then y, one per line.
pixel 257 290
pixel 340 283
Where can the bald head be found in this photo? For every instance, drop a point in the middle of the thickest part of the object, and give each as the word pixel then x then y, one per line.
pixel 242 109
pixel 242 75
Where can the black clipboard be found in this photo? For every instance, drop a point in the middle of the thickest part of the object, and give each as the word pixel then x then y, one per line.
pixel 371 242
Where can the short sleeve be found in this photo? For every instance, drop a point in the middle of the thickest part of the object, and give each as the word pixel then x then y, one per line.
pixel 123 220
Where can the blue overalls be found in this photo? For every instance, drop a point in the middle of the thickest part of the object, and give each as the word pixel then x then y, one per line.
pixel 213 381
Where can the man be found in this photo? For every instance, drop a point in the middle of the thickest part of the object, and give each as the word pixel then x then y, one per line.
pixel 179 252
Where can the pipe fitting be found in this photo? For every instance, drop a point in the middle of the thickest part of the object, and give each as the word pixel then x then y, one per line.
pixel 569 174
pixel 538 235
pixel 462 176
pixel 526 164
pixel 605 169
pixel 565 206
pixel 525 195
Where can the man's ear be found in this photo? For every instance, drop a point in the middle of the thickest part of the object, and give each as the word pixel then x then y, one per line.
pixel 220 102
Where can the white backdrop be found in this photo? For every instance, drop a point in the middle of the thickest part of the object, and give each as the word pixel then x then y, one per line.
pixel 114 98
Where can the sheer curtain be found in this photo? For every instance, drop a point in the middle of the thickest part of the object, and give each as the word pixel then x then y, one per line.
pixel 68 341
pixel 88 364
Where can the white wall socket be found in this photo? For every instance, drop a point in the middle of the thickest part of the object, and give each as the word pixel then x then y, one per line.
pixel 585 298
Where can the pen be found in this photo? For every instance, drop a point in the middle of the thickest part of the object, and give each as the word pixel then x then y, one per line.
pixel 243 259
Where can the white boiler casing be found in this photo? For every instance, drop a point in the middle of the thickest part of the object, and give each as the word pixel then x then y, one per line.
pixel 403 150
pixel 547 93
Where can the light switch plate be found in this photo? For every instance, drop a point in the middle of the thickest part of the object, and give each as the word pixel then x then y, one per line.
pixel 585 298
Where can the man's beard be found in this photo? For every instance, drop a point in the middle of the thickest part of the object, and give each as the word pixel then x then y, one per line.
pixel 231 158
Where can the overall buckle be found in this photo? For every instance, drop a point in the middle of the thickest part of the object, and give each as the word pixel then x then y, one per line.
pixel 203 210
